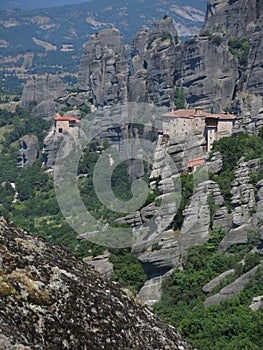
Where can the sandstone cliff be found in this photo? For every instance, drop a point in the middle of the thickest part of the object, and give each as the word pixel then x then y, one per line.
pixel 239 19
pixel 208 74
pixel 153 53
pixel 212 68
pixel 43 91
pixel 104 68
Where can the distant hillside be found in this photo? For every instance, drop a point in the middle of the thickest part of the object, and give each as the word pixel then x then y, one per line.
pixel 51 40
pixel 23 4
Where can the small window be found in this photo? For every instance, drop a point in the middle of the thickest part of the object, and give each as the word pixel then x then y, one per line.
pixel 60 130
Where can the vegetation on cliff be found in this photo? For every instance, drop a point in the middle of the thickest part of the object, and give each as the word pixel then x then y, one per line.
pixel 182 302
pixel 35 207
pixel 230 325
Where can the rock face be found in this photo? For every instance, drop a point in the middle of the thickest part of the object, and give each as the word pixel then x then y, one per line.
pixel 243 205
pixel 153 54
pixel 51 300
pixel 28 152
pixel 257 303
pixel 101 264
pixel 43 89
pixel 232 289
pixel 241 18
pixel 104 68
pixel 46 109
pixel 212 284
pixel 109 76
pixel 208 74
pixel 215 164
pixel 51 146
pixel 236 18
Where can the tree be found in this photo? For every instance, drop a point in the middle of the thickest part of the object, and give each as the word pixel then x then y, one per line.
pixel 180 100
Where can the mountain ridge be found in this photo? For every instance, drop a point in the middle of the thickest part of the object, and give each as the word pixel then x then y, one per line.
pixel 51 40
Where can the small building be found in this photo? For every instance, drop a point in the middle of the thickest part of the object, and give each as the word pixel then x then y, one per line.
pixel 190 121
pixel 64 123
pixel 193 164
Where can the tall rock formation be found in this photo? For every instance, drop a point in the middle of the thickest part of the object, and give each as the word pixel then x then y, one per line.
pixel 28 152
pixel 104 68
pixel 232 17
pixel 240 19
pixel 208 74
pixel 154 53
pixel 212 68
pixel 110 73
pixel 43 91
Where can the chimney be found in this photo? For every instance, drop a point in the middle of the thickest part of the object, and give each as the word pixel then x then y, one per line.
pixel 199 110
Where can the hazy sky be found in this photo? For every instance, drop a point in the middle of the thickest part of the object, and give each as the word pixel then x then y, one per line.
pixel 37 3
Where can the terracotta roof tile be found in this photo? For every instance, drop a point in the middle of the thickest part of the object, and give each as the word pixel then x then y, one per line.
pixel 196 162
pixel 65 118
pixel 191 113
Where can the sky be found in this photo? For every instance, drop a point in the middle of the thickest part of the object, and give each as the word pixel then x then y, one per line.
pixel 37 3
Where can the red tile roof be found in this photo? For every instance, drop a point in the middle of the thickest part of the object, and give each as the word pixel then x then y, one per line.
pixel 65 118
pixel 196 162
pixel 198 112
pixel 224 115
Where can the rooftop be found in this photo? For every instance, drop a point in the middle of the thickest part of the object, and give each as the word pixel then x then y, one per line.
pixel 195 162
pixel 198 112
pixel 65 118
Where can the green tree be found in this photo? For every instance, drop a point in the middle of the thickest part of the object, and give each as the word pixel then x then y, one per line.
pixel 180 100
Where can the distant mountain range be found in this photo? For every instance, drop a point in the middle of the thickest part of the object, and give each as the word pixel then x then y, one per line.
pixel 51 39
pixel 36 4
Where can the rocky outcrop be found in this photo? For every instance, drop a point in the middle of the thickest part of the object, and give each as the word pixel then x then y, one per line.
pixel 236 18
pixel 46 109
pixel 254 71
pixel 232 289
pixel 259 120
pixel 151 292
pixel 104 68
pixel 28 152
pixel 109 76
pixel 243 199
pixel 52 300
pixel 206 209
pixel 243 205
pixel 208 73
pixel 214 164
pixel 153 53
pixel 196 223
pixel 257 303
pixel 241 18
pixel 51 146
pixel 40 90
pixel 207 288
pixel 101 264
pixel 250 119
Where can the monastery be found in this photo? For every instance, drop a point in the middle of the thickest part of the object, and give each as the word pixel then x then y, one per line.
pixel 191 121
pixel 64 123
